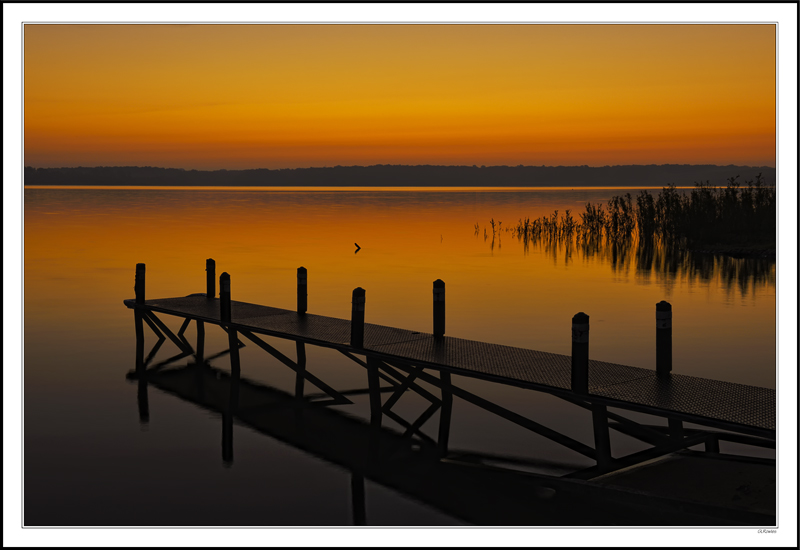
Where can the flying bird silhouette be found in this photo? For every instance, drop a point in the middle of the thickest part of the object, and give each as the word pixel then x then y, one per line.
pixel 357 248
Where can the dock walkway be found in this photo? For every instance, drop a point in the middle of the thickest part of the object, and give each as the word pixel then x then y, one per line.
pixel 729 406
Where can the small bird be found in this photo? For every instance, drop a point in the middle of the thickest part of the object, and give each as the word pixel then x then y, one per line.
pixel 357 247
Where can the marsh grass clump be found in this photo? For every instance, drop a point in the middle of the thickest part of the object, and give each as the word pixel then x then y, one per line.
pixel 722 219
pixel 659 235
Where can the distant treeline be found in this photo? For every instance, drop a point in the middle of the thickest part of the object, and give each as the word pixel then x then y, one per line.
pixel 385 175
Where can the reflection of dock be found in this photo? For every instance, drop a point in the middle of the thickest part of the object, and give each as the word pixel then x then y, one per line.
pixel 426 469
pixel 470 492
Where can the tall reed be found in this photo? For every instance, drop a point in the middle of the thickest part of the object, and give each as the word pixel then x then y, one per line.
pixel 706 216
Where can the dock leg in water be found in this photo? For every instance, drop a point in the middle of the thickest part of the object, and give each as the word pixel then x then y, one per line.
pixel 299 386
pixel 227 416
pixel 602 441
pixel 375 405
pixel 675 428
pixel 201 343
pixel 233 401
pixel 445 413
pixel 301 367
pixel 141 392
pixel 359 499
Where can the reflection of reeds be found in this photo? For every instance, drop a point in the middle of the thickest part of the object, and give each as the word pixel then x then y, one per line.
pixel 658 233
pixel 706 216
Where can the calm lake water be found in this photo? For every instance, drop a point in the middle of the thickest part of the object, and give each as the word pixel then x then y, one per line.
pixel 89 460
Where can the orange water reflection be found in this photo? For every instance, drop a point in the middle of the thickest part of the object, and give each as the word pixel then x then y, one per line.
pixel 81 247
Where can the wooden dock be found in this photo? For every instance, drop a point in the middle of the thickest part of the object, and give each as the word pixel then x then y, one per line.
pixel 725 405
pixel 745 414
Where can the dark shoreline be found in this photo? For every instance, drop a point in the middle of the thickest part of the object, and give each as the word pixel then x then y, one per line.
pixel 405 176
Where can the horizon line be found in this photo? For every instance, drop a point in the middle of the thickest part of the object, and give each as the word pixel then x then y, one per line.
pixel 402 165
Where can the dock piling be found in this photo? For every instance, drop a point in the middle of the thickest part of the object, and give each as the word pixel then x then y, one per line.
pixel 138 318
pixel 211 278
pixel 142 401
pixel 302 290
pixel 233 346
pixel 438 309
pixel 138 285
pixel 663 338
pixel 225 297
pixel 201 342
pixel 358 498
pixel 602 440
pixel 445 414
pixel 357 318
pixel 299 381
pixel 580 353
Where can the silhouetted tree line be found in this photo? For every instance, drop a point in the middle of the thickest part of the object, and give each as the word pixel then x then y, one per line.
pixel 385 175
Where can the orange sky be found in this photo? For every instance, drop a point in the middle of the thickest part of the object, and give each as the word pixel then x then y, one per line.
pixel 284 96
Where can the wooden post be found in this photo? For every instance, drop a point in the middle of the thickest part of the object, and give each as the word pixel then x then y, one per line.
pixel 201 341
pixel 663 338
pixel 580 353
pixel 299 381
pixel 141 394
pixel 675 426
pixel 233 396
pixel 211 278
pixel 138 318
pixel 359 501
pixel 138 285
pixel 357 318
pixel 375 407
pixel 374 384
pixel 225 298
pixel 302 290
pixel 438 309
pixel 141 399
pixel 602 440
pixel 445 413
pixel 227 439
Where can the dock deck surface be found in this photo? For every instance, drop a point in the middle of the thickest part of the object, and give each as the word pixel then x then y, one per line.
pixel 724 403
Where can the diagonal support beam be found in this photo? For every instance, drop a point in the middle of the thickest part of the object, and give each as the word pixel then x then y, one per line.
pixel 225 330
pixel 636 431
pixel 364 364
pixel 164 328
pixel 401 389
pixel 153 351
pixel 410 429
pixel 152 326
pixel 518 419
pixel 240 345
pixel 413 385
pixel 419 422
pixel 181 335
pixel 183 327
pixel 617 464
pixel 169 361
pixel 623 424
pixel 292 365
pixel 133 375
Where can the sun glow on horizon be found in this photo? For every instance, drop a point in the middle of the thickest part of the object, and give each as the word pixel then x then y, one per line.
pixel 291 96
